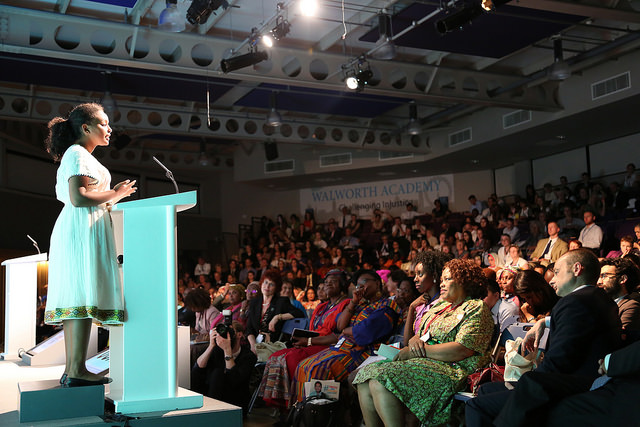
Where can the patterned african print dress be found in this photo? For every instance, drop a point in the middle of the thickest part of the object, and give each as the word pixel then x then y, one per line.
pixel 84 281
pixel 427 386
pixel 372 324
pixel 275 387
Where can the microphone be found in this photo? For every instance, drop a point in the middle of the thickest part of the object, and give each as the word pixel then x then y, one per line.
pixel 169 174
pixel 34 243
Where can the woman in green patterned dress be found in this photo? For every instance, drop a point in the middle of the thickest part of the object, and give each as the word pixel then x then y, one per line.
pixel 453 342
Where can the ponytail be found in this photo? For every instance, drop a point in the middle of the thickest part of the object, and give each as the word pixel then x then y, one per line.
pixel 63 133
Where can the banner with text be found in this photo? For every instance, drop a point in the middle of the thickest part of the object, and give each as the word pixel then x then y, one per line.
pixel 389 196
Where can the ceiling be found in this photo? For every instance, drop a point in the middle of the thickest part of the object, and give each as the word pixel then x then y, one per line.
pixel 56 53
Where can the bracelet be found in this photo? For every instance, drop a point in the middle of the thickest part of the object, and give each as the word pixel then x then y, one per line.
pixel 309 342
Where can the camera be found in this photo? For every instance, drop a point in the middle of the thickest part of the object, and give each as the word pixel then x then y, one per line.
pixel 224 329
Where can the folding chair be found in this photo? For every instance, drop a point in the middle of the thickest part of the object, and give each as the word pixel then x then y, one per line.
pixel 291 324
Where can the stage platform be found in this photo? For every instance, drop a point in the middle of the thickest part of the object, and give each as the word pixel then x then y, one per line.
pixel 14 371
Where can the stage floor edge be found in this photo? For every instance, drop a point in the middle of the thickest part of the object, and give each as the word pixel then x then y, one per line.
pixel 14 371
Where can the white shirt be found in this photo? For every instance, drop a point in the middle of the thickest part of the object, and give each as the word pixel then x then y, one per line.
pixel 408 215
pixel 591 236
pixel 504 314
pixel 548 254
pixel 202 269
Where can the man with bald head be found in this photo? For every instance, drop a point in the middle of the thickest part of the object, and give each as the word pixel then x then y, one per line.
pixel 583 327
pixel 550 250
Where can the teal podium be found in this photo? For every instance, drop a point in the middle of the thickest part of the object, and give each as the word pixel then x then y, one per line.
pixel 143 351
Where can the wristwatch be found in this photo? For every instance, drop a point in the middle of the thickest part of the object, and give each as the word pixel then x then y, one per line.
pixel 227 358
pixel 309 342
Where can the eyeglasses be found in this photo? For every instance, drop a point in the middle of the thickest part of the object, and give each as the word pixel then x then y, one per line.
pixel 364 280
pixel 607 275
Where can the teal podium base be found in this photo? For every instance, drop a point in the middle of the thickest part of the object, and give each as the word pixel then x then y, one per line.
pixel 46 400
pixel 184 399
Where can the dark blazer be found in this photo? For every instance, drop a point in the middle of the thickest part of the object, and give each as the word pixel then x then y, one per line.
pixel 629 312
pixel 279 305
pixel 584 328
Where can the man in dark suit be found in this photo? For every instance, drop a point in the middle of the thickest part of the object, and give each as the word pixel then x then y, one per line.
pixel 584 326
pixel 619 278
pixel 551 249
pixel 551 399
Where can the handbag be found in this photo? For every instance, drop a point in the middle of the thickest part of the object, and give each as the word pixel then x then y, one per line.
pixel 314 411
pixel 516 362
pixel 492 373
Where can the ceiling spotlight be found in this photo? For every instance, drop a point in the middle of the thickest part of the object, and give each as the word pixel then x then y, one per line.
pixel 170 18
pixel 413 128
pixel 203 159
pixel 358 75
pixel 385 47
pixel 241 61
pixel 459 18
pixel 467 14
pixel 108 102
pixel 308 7
pixel 281 29
pixel 559 70
pixel 273 118
pixel 267 41
pixel 200 10
pixel 351 81
pixel 487 5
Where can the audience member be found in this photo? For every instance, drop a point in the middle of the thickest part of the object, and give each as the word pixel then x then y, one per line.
pixel 591 235
pixel 560 400
pixel 368 320
pixel 503 253
pixel 619 278
pixel 453 341
pixel 410 213
pixel 511 230
pixel 550 249
pixel 268 311
pixel 223 371
pixel 427 273
pixel 537 296
pixel 504 313
pixel 202 267
pixel 275 387
pixel 584 327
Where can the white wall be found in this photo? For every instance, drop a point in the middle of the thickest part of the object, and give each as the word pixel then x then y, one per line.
pixel 479 183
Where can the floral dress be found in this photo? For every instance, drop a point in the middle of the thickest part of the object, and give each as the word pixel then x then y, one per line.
pixel 84 281
pixel 427 386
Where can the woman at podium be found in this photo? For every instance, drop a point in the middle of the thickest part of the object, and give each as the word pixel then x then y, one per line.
pixel 84 282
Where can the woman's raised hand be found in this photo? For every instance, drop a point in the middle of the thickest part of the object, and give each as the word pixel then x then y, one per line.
pixel 124 189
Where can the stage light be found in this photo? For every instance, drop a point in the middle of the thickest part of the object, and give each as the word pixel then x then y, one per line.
pixel 385 47
pixel 273 118
pixel 170 19
pixel 413 127
pixel 200 10
pixel 459 18
pixel 308 7
pixel 281 29
pixel 559 70
pixel 267 41
pixel 351 82
pixel 357 76
pixel 108 102
pixel 203 158
pixel 237 62
pixel 467 14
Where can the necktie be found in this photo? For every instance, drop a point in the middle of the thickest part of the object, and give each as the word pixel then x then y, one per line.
pixel 546 249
